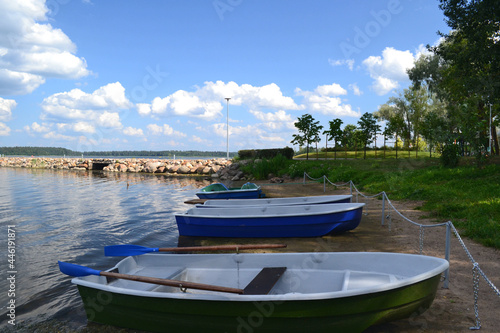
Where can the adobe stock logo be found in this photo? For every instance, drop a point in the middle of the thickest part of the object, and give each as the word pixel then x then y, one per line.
pixel 363 37
pixel 222 6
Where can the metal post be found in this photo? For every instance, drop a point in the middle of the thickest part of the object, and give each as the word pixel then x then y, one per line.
pixel 383 207
pixel 489 139
pixel 227 127
pixel 324 183
pixel 447 255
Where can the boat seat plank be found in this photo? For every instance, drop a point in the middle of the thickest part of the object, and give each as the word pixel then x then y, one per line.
pixel 264 281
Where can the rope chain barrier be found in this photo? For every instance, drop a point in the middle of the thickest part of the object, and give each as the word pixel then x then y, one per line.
pixel 477 272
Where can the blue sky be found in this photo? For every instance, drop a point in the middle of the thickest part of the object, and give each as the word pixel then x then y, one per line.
pixel 153 75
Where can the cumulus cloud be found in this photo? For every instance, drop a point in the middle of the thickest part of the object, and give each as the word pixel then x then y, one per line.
pixel 32 50
pixel 342 62
pixel 274 120
pixel 165 129
pixel 99 108
pixel 248 136
pixel 389 69
pixel 76 114
pixel 4 129
pixel 324 99
pixel 37 128
pixel 6 107
pixel 208 101
pixel 18 83
pixel 133 131
pixel 355 89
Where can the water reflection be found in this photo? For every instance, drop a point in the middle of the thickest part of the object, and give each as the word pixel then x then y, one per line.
pixel 71 216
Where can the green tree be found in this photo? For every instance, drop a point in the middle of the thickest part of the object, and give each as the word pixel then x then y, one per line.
pixel 335 133
pixel 310 132
pixel 348 137
pixel 396 111
pixel 471 53
pixel 368 127
pixel 418 101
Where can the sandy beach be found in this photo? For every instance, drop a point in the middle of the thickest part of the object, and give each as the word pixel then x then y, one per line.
pixel 453 308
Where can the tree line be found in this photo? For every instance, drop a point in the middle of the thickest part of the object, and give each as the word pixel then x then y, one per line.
pixel 351 137
pixel 55 151
pixel 452 103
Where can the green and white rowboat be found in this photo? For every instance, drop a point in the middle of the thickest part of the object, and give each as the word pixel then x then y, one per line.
pixel 270 292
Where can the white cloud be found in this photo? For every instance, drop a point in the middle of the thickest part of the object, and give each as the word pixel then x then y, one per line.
pixel 324 100
pixel 69 115
pixel 32 50
pixel 99 108
pixel 389 69
pixel 4 129
pixel 276 120
pixel 333 89
pixel 166 129
pixel 6 107
pixel 197 139
pixel 208 102
pixel 241 137
pixel 348 62
pixel 17 83
pixel 37 128
pixel 143 109
pixel 355 89
pixel 58 136
pixel 133 131
pixel 83 127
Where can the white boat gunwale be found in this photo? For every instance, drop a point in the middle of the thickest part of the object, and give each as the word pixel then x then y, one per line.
pixel 312 210
pixel 396 281
pixel 274 201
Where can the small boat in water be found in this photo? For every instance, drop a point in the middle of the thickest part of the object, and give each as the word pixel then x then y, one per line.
pixel 220 191
pixel 260 292
pixel 290 201
pixel 270 221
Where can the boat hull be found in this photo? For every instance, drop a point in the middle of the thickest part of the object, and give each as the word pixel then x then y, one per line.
pixel 231 194
pixel 288 201
pixel 220 191
pixel 346 314
pixel 270 226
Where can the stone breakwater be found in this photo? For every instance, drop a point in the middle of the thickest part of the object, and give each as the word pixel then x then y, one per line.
pixel 215 168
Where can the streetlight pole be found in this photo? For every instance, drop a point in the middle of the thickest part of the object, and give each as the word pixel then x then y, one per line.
pixel 227 127
pixel 489 139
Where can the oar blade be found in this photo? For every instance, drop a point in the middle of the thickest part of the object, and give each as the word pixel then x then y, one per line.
pixel 127 250
pixel 76 270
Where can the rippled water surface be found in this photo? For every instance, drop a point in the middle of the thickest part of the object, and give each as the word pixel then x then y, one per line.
pixel 70 216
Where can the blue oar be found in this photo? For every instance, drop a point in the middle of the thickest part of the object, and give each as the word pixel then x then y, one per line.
pixel 77 270
pixel 135 250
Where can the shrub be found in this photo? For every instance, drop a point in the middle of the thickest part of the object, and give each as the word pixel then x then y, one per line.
pixel 261 169
pixel 450 156
pixel 265 153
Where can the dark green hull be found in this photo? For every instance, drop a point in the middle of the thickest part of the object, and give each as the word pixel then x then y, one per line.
pixel 347 314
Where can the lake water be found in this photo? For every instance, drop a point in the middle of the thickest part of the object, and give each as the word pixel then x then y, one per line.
pixel 70 216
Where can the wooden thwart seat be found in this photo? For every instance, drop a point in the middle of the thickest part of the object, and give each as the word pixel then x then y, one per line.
pixel 264 281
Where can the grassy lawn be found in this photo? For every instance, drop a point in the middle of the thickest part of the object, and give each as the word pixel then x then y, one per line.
pixel 369 154
pixel 466 195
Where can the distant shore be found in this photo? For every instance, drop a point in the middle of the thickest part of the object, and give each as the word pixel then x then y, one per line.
pixel 215 167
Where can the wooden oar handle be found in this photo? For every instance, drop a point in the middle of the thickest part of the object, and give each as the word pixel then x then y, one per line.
pixel 172 283
pixel 222 247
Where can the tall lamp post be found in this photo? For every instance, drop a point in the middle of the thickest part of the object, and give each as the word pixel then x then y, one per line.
pixel 227 127
pixel 489 139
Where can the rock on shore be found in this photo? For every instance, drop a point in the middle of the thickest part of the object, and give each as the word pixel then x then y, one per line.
pixel 216 168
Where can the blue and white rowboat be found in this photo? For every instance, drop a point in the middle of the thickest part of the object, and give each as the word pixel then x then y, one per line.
pixel 270 221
